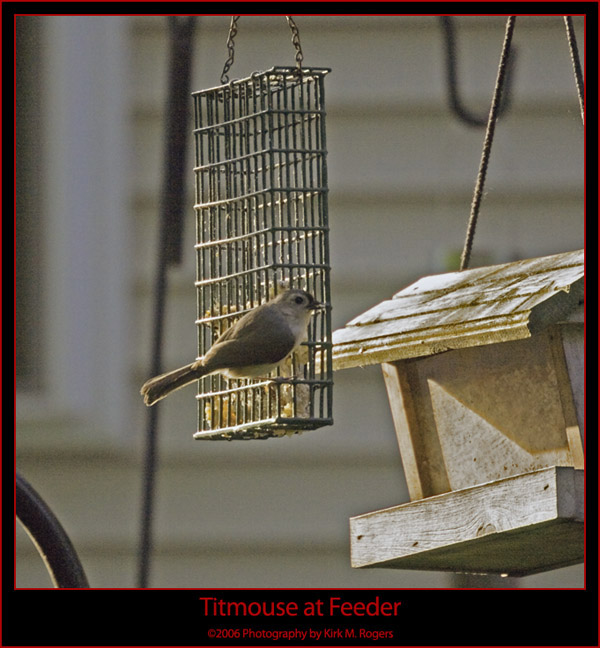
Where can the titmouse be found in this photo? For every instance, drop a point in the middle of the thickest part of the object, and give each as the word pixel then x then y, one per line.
pixel 253 347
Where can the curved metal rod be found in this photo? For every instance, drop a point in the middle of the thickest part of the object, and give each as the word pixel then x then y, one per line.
pixel 49 537
pixel 456 103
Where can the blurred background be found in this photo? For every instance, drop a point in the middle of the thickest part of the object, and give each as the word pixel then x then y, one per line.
pixel 91 94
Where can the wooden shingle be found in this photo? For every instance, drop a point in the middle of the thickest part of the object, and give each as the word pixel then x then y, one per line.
pixel 437 313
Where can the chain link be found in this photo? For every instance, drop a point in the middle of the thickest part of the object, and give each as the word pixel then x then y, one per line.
pixel 296 43
pixel 230 49
pixel 233 30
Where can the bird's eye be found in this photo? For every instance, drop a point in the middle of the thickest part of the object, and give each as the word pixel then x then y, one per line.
pixel 299 300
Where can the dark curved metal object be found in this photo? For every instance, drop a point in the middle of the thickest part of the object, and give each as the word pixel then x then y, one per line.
pixel 49 537
pixel 456 103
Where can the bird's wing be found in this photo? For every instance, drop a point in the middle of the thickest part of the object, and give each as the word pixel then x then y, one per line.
pixel 252 341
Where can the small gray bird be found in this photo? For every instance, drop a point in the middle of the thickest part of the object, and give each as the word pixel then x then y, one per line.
pixel 253 347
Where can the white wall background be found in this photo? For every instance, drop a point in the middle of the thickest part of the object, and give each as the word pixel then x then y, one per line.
pixel 401 170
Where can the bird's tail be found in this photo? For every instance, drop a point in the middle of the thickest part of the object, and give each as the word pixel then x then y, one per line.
pixel 158 387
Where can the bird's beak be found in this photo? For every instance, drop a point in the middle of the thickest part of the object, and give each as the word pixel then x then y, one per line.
pixel 317 306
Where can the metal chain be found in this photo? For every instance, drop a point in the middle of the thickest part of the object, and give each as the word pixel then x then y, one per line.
pixel 233 30
pixel 230 49
pixel 296 43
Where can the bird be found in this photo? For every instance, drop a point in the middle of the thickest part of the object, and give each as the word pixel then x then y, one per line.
pixel 251 348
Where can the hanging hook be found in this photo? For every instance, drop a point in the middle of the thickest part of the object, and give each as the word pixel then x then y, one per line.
pixel 456 103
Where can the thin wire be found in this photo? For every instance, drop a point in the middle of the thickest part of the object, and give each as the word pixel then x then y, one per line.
pixel 572 39
pixel 487 144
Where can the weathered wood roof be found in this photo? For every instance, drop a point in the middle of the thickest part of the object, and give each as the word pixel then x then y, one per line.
pixel 460 309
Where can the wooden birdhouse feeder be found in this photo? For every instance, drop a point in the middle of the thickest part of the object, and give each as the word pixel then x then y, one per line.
pixel 484 371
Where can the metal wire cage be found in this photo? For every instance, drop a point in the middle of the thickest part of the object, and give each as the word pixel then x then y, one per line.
pixel 262 226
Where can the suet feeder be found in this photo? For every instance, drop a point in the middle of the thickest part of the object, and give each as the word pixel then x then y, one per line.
pixel 484 371
pixel 262 226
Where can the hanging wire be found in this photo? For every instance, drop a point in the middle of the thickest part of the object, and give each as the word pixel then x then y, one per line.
pixel 233 30
pixel 572 39
pixel 487 145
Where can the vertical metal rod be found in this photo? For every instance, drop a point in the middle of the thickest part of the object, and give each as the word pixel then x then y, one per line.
pixel 572 40
pixel 487 143
pixel 181 31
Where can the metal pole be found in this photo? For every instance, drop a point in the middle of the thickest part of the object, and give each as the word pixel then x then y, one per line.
pixel 170 243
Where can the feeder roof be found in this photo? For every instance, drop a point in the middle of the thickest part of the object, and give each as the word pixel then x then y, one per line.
pixel 474 307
